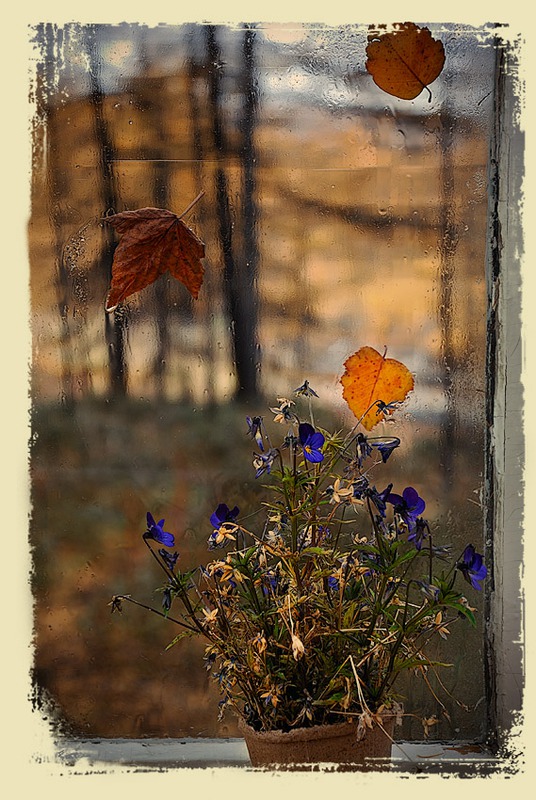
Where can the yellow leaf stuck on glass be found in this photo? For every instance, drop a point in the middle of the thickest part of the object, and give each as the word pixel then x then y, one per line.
pixel 405 60
pixel 370 378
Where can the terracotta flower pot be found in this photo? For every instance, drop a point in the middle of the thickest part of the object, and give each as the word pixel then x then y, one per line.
pixel 337 743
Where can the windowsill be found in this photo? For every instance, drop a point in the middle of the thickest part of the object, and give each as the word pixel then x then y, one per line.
pixel 143 754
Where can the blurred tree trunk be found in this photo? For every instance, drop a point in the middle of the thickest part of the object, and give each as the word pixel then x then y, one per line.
pixel 161 289
pixel 47 37
pixel 250 258
pixel 239 272
pixel 115 322
pixel 159 165
pixel 193 73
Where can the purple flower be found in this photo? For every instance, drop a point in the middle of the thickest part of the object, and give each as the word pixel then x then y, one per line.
pixel 218 573
pixel 215 540
pixel 430 591
pixel 379 498
pixel 220 538
pixel 263 462
pixel 409 506
pixel 223 514
pixel 472 567
pixel 386 447
pixel 210 659
pixel 360 487
pixel 305 390
pixel 290 442
pixel 323 534
pixel 311 441
pixel 333 583
pixel 169 559
pixel 370 560
pixel 269 583
pixel 362 448
pixel 254 430
pixel 442 552
pixel 155 530
pixel 419 532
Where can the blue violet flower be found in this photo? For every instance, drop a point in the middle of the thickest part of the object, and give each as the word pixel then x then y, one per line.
pixel 169 559
pixel 409 506
pixel 155 530
pixel 254 430
pixel 385 446
pixel 472 567
pixel 263 462
pixel 305 390
pixel 380 499
pixel 311 442
pixel 419 532
pixel 223 514
pixel 362 448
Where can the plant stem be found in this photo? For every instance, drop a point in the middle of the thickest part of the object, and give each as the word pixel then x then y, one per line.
pixel 155 611
pixel 160 563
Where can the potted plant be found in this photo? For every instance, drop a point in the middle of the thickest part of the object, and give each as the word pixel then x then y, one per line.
pixel 312 612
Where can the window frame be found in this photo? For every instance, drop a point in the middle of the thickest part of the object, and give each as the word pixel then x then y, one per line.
pixel 504 640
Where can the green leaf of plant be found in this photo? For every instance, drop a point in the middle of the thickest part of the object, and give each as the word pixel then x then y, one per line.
pixel 179 637
pixel 465 611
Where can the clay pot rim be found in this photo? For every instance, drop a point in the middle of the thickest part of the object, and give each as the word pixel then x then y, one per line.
pixel 335 729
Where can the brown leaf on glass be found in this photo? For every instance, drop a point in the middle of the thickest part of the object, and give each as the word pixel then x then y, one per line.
pixel 153 241
pixel 405 60
pixel 369 378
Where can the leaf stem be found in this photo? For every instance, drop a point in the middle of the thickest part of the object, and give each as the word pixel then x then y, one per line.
pixel 192 204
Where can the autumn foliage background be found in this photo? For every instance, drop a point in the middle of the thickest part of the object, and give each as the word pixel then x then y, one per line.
pixel 333 216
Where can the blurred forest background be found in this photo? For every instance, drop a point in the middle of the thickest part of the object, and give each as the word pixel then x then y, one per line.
pixel 334 216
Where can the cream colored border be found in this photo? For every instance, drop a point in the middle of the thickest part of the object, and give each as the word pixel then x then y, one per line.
pixel 25 745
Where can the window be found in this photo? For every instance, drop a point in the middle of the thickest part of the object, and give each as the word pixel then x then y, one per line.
pixel 334 216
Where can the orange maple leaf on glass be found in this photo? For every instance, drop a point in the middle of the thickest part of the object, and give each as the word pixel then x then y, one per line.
pixel 405 60
pixel 153 241
pixel 370 378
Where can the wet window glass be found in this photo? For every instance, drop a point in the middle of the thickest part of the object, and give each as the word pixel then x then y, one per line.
pixel 334 216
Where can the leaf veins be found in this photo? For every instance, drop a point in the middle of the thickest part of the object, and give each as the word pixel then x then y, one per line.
pixel 405 60
pixel 153 241
pixel 370 377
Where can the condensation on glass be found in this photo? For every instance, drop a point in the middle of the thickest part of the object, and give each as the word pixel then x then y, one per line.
pixel 334 216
